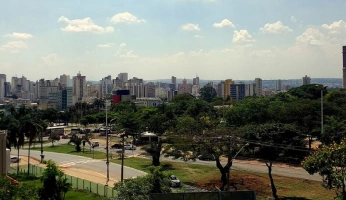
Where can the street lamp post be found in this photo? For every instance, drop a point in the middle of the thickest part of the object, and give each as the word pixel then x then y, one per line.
pixel 107 150
pixel 42 155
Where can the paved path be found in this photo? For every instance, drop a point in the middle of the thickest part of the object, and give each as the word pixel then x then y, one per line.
pixel 87 164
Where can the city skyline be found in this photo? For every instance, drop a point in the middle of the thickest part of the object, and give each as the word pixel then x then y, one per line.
pixel 153 40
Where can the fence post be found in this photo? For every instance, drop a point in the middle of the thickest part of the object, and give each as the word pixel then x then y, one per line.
pixel 71 181
pixel 97 188
pixel 90 185
pixel 83 184
pixel 77 183
pixel 104 191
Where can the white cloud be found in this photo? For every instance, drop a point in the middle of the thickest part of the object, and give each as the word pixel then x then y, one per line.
pixel 242 36
pixel 104 45
pixel 125 17
pixel 123 52
pixel 84 25
pixel 293 19
pixel 198 36
pixel 311 36
pixel 51 60
pixel 335 25
pixel 196 53
pixel 190 27
pixel 20 36
pixel 128 54
pixel 224 23
pixel 13 46
pixel 277 27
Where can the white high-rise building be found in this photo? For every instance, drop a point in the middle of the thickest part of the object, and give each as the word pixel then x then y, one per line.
pixel 250 89
pixel 123 77
pixel 258 87
pixel 106 85
pixel 79 88
pixel 2 86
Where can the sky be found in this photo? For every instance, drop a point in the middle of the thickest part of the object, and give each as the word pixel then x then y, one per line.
pixel 156 39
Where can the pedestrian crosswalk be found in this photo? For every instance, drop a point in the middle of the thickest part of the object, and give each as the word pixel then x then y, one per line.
pixel 76 162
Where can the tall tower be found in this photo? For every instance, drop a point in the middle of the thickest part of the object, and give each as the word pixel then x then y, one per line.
pixel 344 67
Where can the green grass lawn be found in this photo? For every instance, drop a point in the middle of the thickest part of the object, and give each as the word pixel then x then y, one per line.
pixel 72 194
pixel 208 177
pixel 70 149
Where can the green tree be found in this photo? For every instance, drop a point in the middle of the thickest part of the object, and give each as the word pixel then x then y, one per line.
pixel 311 91
pixel 139 188
pixel 9 191
pixel 330 162
pixel 55 185
pixel 334 131
pixel 77 141
pixel 208 93
pixel 53 138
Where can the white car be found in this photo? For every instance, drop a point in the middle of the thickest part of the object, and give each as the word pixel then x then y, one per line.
pixel 15 159
pixel 130 147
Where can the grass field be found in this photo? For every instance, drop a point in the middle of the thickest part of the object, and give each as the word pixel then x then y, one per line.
pixel 72 194
pixel 208 177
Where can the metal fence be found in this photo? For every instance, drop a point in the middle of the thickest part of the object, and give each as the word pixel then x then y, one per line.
pixel 237 195
pixel 77 183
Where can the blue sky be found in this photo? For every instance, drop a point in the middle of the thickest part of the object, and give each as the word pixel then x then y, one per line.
pixel 153 39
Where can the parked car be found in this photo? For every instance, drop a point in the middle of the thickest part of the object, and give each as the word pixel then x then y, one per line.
pixel 117 146
pixel 95 144
pixel 175 182
pixel 64 137
pixel 15 159
pixel 130 147
pixel 206 157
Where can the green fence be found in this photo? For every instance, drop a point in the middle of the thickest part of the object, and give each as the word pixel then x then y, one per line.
pixel 77 183
pixel 237 195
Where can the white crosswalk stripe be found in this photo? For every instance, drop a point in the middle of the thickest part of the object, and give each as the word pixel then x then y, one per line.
pixel 72 163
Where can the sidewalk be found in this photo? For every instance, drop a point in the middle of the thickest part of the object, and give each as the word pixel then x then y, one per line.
pixel 76 172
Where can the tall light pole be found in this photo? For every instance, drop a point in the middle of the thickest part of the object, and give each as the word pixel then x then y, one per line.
pixel 322 123
pixel 107 153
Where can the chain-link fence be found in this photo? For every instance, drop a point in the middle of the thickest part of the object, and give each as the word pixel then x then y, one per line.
pixel 77 183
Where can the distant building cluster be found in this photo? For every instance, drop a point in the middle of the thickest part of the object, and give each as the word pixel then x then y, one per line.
pixel 61 93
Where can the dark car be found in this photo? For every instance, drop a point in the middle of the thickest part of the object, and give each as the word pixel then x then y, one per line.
pixel 117 146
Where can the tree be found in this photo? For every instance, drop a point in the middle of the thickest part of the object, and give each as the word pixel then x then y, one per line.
pixel 86 139
pixel 334 131
pixel 9 191
pixel 53 138
pixel 274 140
pixel 330 162
pixel 208 93
pixel 77 141
pixel 311 91
pixel 55 185
pixel 139 188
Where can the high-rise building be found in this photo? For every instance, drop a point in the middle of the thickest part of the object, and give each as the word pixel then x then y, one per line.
pixel 124 77
pixel 306 80
pixel 259 87
pixel 174 80
pixel 195 81
pixel 344 67
pixel 184 88
pixel 220 89
pixel 237 91
pixel 250 89
pixel 106 85
pixel 65 80
pixel 227 87
pixel 79 88
pixel 278 85
pixel 2 86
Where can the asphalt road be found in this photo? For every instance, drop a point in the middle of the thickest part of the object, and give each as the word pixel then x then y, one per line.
pixel 85 163
pixel 258 168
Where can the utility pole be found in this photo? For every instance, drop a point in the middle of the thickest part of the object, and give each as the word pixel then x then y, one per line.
pixel 322 111
pixel 107 150
pixel 229 159
pixel 122 159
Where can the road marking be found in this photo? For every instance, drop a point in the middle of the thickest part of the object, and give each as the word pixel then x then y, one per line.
pixel 72 163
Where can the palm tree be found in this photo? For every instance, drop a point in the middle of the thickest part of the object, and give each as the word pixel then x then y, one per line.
pixel 86 139
pixel 32 128
pixel 15 137
pixel 76 141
